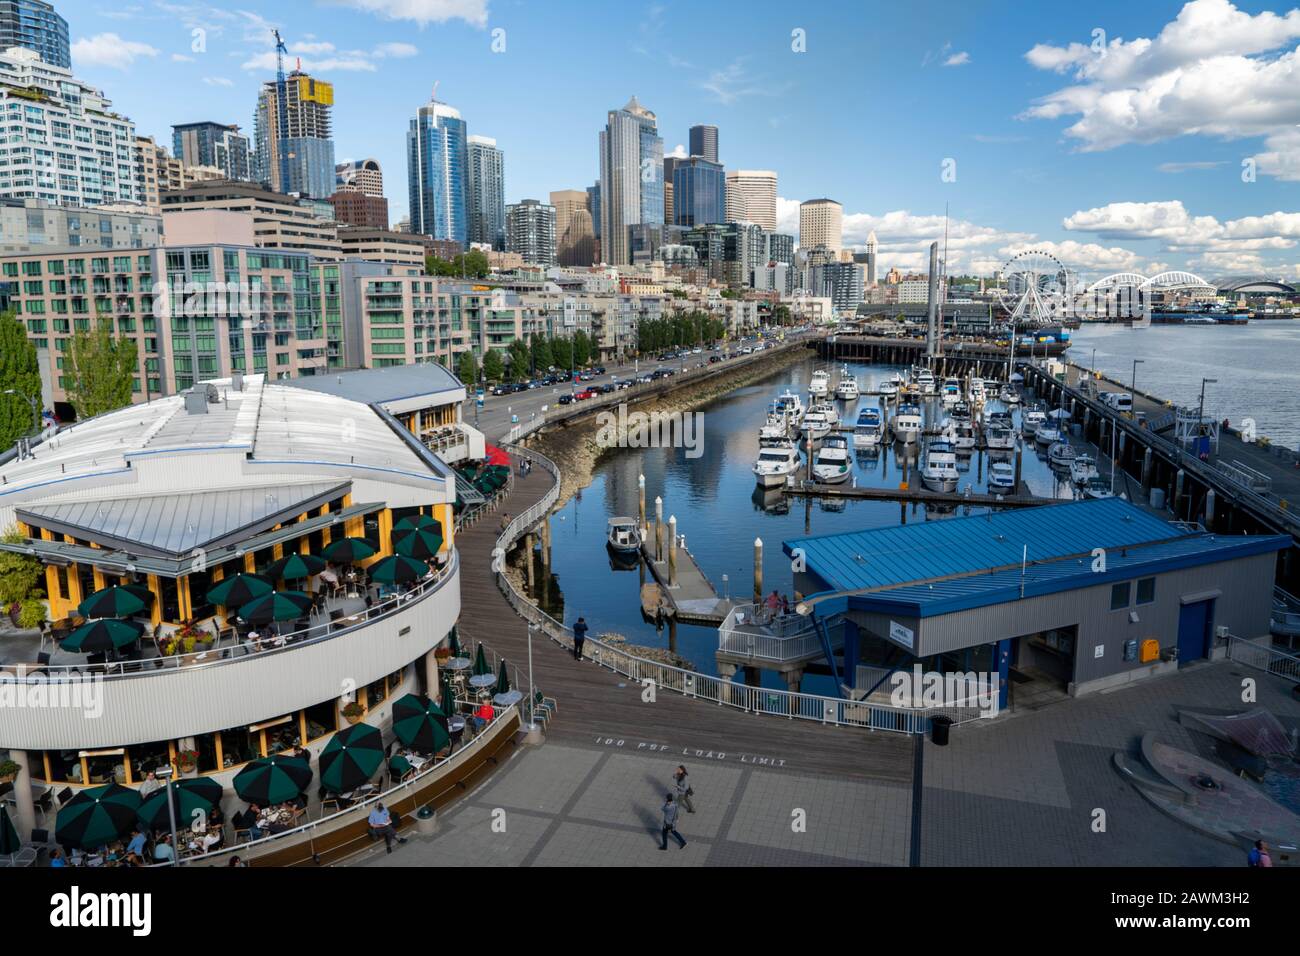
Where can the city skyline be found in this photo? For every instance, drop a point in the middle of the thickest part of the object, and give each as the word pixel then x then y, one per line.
pixel 1030 157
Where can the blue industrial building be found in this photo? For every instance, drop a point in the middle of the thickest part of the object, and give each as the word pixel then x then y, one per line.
pixel 1079 596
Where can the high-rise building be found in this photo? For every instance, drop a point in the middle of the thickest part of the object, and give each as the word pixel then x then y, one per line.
pixel 365 175
pixel 158 172
pixel 307 167
pixel 670 170
pixel 751 197
pixel 65 143
pixel 867 260
pixel 704 142
pixel 821 223
pixel 485 193
pixel 841 282
pixel 593 204
pixel 574 237
pixel 699 192
pixel 437 160
pixel 356 208
pixel 530 231
pixel 34 25
pixel 631 178
pixel 212 144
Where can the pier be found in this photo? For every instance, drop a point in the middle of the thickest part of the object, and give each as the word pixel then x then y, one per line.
pixel 981 357
pixel 812 489
pixel 680 592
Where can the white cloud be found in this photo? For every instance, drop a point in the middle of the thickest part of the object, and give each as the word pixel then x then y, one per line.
pixel 311 48
pixel 1170 222
pixel 957 59
pixel 396 50
pixel 265 62
pixel 1214 71
pixel 218 81
pixel 109 49
pixel 734 81
pixel 424 12
pixel 182 58
pixel 1185 167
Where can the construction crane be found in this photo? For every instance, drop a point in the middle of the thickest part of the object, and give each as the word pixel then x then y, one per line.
pixel 282 111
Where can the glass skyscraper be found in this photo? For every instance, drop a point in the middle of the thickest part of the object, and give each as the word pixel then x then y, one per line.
pixel 212 144
pixel 699 192
pixel 437 159
pixel 34 25
pixel 485 193
pixel 631 178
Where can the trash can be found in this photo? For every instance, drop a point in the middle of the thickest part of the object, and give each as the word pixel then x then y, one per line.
pixel 426 821
pixel 939 727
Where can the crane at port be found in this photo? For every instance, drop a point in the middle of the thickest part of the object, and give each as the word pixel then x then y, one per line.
pixel 282 111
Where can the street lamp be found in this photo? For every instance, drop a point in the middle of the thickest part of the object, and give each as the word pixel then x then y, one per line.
pixel 532 693
pixel 166 773
pixel 1200 417
pixel 1133 385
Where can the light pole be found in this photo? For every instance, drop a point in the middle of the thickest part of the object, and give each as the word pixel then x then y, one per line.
pixel 1094 361
pixel 532 694
pixel 166 773
pixel 1133 384
pixel 1200 417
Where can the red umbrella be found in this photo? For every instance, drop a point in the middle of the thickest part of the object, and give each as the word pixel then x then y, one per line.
pixel 495 456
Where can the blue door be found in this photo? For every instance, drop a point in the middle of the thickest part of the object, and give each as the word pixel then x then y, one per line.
pixel 1194 622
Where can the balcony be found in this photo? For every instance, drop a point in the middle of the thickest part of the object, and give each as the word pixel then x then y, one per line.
pixel 752 632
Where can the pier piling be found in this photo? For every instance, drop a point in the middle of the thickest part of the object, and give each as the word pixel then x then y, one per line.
pixel 659 528
pixel 640 514
pixel 672 551
pixel 758 570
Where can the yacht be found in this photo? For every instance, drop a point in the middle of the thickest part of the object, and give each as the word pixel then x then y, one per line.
pixel 814 425
pixel 960 412
pixel 887 388
pixel 848 386
pixel 828 409
pixel 1002 478
pixel 951 392
pixel 1061 455
pixel 820 384
pixel 868 430
pixel 959 433
pixel 776 465
pixel 790 405
pixel 939 473
pixel 1083 469
pixel 831 466
pixel 977 394
pixel 908 424
pixel 1047 434
pixel 1098 488
pixel 1031 420
pixel 999 436
pixel 1009 395
pixel 622 536
pixel 774 431
pixel 925 381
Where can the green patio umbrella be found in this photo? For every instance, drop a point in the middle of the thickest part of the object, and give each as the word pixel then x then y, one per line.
pixel 270 780
pixel 420 544
pixel 120 601
pixel 480 662
pixel 453 642
pixel 419 723
pixel 9 841
pixel 348 550
pixel 503 679
pixel 351 758
pixel 416 523
pixel 397 569
pixel 238 589
pixel 102 635
pixel 276 606
pixel 294 567
pixel 448 693
pixel 96 816
pixel 191 795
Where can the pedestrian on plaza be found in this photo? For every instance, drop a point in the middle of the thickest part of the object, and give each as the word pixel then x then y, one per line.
pixel 579 635
pixel 1258 855
pixel 670 824
pixel 684 789
pixel 505 520
pixel 381 825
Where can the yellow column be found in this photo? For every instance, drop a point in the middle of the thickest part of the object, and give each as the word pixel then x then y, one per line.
pixel 52 589
pixel 250 565
pixel 326 534
pixel 155 610
pixel 304 543
pixel 184 607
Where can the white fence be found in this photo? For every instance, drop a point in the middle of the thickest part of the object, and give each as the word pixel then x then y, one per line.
pixel 1265 657
pixel 755 632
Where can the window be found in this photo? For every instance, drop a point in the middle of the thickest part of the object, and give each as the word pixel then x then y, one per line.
pixel 1146 591
pixel 1119 595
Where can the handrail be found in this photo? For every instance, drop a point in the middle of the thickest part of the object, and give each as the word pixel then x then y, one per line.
pixel 149 666
pixel 1264 657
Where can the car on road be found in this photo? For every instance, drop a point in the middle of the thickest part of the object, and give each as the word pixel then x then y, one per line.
pixel 566 399
pixel 501 389
pixel 714 359
pixel 585 394
pixel 598 370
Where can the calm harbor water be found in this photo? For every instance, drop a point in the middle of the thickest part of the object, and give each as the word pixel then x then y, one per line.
pixel 1257 366
pixel 720 512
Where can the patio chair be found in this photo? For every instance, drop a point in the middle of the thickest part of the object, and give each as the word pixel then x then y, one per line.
pixel 242 827
pixel 65 795
pixel 332 801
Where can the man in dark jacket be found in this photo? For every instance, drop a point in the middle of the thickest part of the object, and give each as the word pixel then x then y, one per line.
pixel 579 635
pixel 670 824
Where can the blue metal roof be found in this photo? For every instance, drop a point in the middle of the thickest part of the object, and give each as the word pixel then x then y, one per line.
pixel 957 557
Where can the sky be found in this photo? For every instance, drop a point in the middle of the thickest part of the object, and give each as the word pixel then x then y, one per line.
pixel 1118 136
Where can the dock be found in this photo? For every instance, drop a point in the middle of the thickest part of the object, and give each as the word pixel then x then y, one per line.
pixel 690 600
pixel 813 489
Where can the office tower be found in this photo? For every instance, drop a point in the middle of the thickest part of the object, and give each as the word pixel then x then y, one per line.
pixel 821 222
pixel 574 237
pixel 530 231
pixel 699 192
pixel 364 175
pixel 355 208
pixel 631 178
pixel 437 162
pixel 841 282
pixel 751 197
pixel 670 170
pixel 780 247
pixel 219 145
pixel 33 25
pixel 65 145
pixel 307 168
pixel 485 193
pixel 704 142
pixel 867 260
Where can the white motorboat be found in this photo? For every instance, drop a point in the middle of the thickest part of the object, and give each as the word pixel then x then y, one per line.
pixel 999 437
pixel 925 381
pixel 1061 455
pixel 939 473
pixel 774 431
pixel 1083 469
pixel 960 412
pixel 828 409
pixel 832 465
pixel 776 465
pixel 950 393
pixel 790 405
pixel 869 429
pixel 814 425
pixel 887 388
pixel 1047 434
pixel 819 386
pixel 847 389
pixel 623 536
pixel 959 433
pixel 907 424
pixel 1098 488
pixel 1009 395
pixel 977 394
pixel 1002 478
pixel 1031 420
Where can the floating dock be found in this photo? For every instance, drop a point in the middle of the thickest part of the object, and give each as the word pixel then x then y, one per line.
pixel 686 597
pixel 813 489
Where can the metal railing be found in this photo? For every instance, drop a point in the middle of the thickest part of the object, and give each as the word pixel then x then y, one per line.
pixel 755 631
pixel 1286 614
pixel 1264 657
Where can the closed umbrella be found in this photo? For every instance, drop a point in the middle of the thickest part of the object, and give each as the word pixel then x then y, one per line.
pixel 96 816
pixel 453 642
pixel 419 723
pixel 120 601
pixel 191 795
pixel 294 567
pixel 105 634
pixel 270 780
pixel 351 758
pixel 238 589
pixel 419 544
pixel 277 606
pixel 503 679
pixel 480 662
pixel 9 840
pixel 397 569
pixel 349 550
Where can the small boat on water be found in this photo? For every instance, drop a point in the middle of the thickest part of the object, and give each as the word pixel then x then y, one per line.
pixel 776 466
pixel 1031 420
pixel 790 405
pixel 847 389
pixel 1083 469
pixel 887 388
pixel 939 473
pixel 951 392
pixel 815 425
pixel 999 436
pixel 908 424
pixel 1061 455
pixel 774 431
pixel 819 386
pixel 1098 488
pixel 869 429
pixel 1009 395
pixel 977 394
pixel 623 537
pixel 832 464
pixel 1002 478
pixel 925 381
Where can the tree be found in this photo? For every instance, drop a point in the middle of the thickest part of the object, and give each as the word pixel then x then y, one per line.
pixel 471 265
pixel 100 371
pixel 541 353
pixel 562 353
pixel 493 368
pixel 581 349
pixel 782 315
pixel 19 371
pixel 20 574
pixel 519 361
pixel 467 369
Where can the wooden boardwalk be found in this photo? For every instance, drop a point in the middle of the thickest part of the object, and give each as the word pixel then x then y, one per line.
pixel 596 705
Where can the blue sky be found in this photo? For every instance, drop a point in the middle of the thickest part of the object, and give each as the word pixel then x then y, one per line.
pixel 1110 133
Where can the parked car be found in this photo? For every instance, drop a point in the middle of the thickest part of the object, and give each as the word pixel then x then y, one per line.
pixel 714 360
pixel 566 399
pixel 585 394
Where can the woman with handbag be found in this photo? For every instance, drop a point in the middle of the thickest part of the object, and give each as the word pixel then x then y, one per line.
pixel 684 791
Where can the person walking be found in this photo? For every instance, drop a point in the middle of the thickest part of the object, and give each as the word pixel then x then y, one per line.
pixel 670 824
pixel 1258 855
pixel 579 635
pixel 684 789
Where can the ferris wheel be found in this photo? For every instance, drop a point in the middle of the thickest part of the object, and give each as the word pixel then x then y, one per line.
pixel 1037 285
